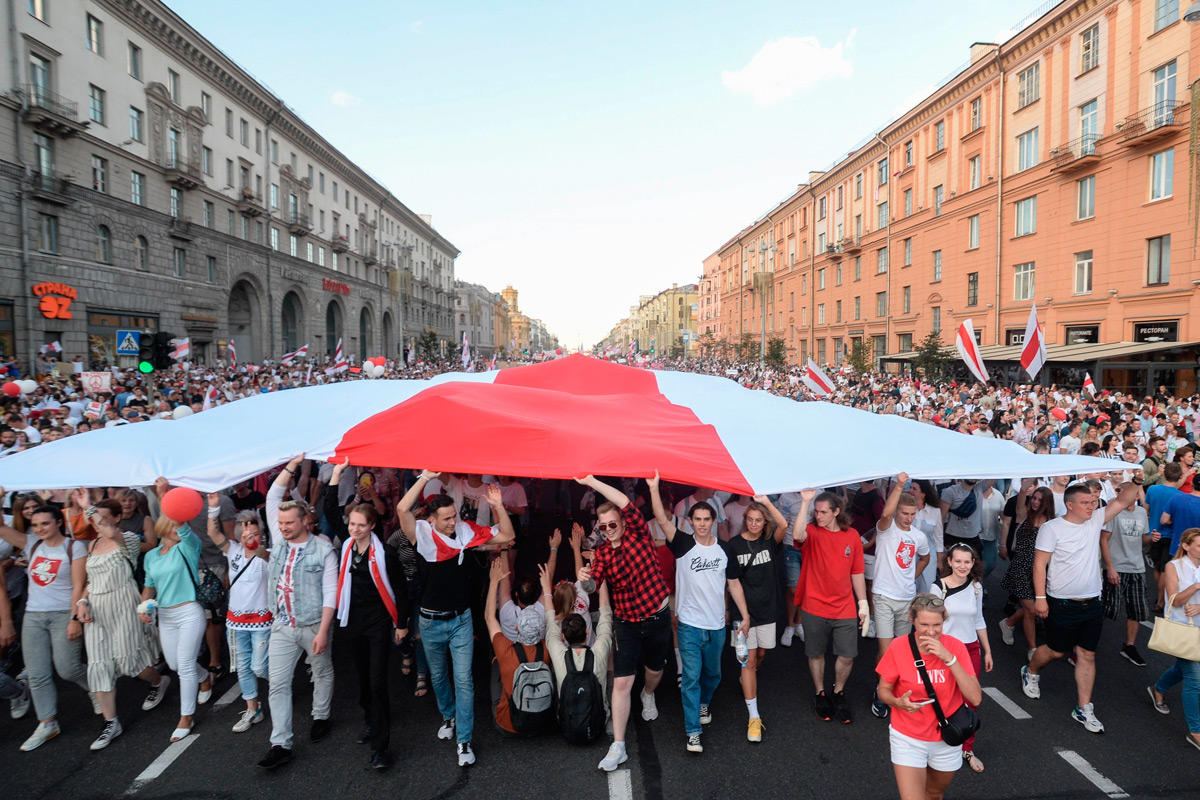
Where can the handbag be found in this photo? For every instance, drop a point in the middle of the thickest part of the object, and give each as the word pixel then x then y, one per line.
pixel 959 726
pixel 1179 639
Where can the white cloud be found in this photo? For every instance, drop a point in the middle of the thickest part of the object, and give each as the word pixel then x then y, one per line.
pixel 415 27
pixel 785 66
pixel 344 99
pixel 1003 36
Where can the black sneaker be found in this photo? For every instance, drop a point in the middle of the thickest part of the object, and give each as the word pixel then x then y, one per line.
pixel 277 757
pixel 841 708
pixel 879 708
pixel 1131 654
pixel 380 760
pixel 320 729
pixel 823 706
pixel 364 736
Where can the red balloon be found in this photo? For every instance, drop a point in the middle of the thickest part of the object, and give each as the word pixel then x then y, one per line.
pixel 1058 413
pixel 11 389
pixel 182 504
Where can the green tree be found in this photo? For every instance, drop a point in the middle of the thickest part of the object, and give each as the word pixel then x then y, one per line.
pixel 747 347
pixel 930 358
pixel 708 343
pixel 861 356
pixel 776 352
pixel 427 342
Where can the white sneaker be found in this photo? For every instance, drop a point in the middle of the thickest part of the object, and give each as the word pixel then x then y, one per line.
pixel 447 729
pixel 800 632
pixel 615 758
pixel 1086 716
pixel 466 756
pixel 649 709
pixel 693 744
pixel 44 732
pixel 20 706
pixel 247 719
pixel 1029 684
pixel 1006 632
pixel 786 639
pixel 112 729
pixel 96 704
pixel 157 693
pixel 705 715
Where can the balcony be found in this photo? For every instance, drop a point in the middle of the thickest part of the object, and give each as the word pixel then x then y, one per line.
pixel 299 224
pixel 834 251
pixel 50 188
pixel 1079 154
pixel 339 244
pixel 850 244
pixel 250 203
pixel 1149 125
pixel 181 174
pixel 371 255
pixel 52 113
pixel 181 228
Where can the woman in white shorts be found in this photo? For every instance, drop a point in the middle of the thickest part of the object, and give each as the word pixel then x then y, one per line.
pixel 923 763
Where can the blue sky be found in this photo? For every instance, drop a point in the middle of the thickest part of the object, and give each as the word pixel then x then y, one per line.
pixel 588 153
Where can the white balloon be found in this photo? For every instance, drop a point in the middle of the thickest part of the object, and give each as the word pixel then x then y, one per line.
pixel 379 370
pixel 181 411
pixel 27 386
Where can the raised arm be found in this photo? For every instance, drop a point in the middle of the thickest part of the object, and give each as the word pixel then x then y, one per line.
pixel 800 525
pixel 577 547
pixel 275 496
pixel 893 502
pixel 214 522
pixel 660 514
pixel 497 574
pixel 496 501
pixel 408 522
pixel 1128 495
pixel 777 519
pixel 611 494
pixel 555 543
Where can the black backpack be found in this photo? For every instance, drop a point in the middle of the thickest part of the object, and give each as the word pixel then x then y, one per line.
pixel 531 704
pixel 581 702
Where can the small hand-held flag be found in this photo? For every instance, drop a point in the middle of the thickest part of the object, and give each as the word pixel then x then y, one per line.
pixel 817 380
pixel 182 349
pixel 232 351
pixel 1033 354
pixel 970 351
pixel 1089 384
pixel 339 361
pixel 288 358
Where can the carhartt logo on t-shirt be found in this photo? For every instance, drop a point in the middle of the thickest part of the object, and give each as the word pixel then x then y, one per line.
pixel 44 570
pixel 701 564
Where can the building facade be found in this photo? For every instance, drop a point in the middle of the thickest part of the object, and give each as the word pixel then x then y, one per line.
pixel 150 183
pixel 664 324
pixel 474 310
pixel 1051 171
pixel 518 323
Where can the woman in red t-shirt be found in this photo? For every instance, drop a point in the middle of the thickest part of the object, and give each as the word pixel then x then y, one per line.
pixel 924 764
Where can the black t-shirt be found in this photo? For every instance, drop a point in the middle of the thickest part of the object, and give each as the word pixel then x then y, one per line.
pixel 1010 513
pixel 445 585
pixel 366 604
pixel 760 582
pixel 250 502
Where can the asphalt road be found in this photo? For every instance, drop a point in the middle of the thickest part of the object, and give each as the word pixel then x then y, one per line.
pixel 1142 754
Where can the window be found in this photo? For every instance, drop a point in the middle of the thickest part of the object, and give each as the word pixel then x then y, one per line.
pixel 972 288
pixel 821 208
pixel 141 252
pixel 258 141
pixel 1158 271
pixel 274 152
pixel 229 122
pixel 335 191
pixel 99 174
pixel 883 215
pixel 937 266
pixel 211 263
pixel 938 191
pixel 172 147
pixel 1089 51
pixel 274 195
pixel 176 201
pixel 935 319
pixel 136 118
pixel 1083 272
pixel 1087 197
pixel 293 245
pixel 908 252
pixel 1026 213
pixel 206 105
pixel 320 256
pixel 908 202
pixel 975 172
pixel 180 262
pixel 858 228
pixel 333 263
pixel 883 173
pixel 95 35
pixel 134 61
pixel 858 186
pixel 274 238
pixel 310 174
pixel 293 163
pixel 173 86
pixel 37 9
pixel 837 311
pixel 321 181
pixel 976 113
pixel 973 232
pixel 906 300
pixel 49 233
pixel 1029 86
pixel 246 228
pixel 840 197
pixel 837 275
pixel 209 211
pixel 904 342
pixel 820 243
pixel 1162 169
pixel 858 308
pixel 229 221
pixel 206 159
pixel 96 104
pixel 881 304
pixel 103 244
pixel 1027 150
pixel 1164 95
pixel 821 278
pixel 310 252
pixel 1023 281
pixel 858 268
pixel 137 188
pixel 820 313
pixel 1165 13
pixel 244 132
pixel 1089 127
pixel 881 261
pixel 908 153
pixel 939 137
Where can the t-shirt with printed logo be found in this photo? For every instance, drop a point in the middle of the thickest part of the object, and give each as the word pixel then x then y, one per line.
pixel 898 668
pixel 829 558
pixel 50 573
pixel 700 575
pixel 897 552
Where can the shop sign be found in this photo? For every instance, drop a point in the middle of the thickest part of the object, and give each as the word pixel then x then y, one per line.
pixel 54 299
pixel 1014 336
pixel 335 286
pixel 1083 334
pixel 1162 331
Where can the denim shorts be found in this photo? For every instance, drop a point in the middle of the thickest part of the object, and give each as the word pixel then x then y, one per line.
pixel 791 563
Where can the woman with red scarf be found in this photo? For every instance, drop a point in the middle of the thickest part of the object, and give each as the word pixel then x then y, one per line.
pixel 372 604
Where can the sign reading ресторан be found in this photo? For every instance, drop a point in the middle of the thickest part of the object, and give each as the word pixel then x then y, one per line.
pixel 1159 331
pixel 334 286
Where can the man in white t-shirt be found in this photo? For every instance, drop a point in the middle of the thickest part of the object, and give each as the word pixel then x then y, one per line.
pixel 682 509
pixel 470 498
pixel 1068 598
pixel 704 569
pixel 901 554
pixel 1069 445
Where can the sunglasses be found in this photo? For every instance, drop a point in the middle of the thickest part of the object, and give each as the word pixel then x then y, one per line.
pixel 603 527
pixel 932 602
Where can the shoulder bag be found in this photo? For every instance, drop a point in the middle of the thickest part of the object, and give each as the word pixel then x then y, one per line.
pixel 959 726
pixel 1179 639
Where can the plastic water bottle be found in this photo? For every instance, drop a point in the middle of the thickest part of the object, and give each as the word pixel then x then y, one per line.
pixel 740 647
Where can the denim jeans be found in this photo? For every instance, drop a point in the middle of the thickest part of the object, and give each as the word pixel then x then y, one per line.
pixel 1189 673
pixel 252 659
pixel 455 637
pixel 10 687
pixel 990 549
pixel 700 650
pixel 414 625
pixel 47 650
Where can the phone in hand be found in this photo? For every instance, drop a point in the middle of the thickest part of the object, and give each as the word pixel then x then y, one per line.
pixel 366 480
pixel 923 702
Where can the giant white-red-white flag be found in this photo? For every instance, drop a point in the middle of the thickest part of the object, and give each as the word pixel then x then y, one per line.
pixel 817 380
pixel 1088 384
pixel 232 351
pixel 1033 354
pixel 339 361
pixel 288 358
pixel 970 351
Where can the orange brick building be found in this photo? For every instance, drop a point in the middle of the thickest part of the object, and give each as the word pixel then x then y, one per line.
pixel 1053 170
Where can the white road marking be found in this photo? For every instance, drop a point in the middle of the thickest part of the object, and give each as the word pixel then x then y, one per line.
pixel 1008 705
pixel 1088 771
pixel 620 785
pixel 159 765
pixel 1149 625
pixel 234 693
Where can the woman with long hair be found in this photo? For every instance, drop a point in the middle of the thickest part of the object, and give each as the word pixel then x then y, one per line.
pixel 929 521
pixel 1035 507
pixel 1182 579
pixel 118 643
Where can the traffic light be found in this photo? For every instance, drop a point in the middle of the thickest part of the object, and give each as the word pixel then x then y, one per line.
pixel 146 353
pixel 163 349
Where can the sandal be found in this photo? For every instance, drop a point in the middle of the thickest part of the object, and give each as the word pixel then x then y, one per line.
pixel 406 665
pixel 972 761
pixel 422 685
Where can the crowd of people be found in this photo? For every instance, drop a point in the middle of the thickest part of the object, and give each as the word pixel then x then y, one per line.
pixel 383 563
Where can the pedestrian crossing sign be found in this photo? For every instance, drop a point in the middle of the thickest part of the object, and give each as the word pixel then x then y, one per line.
pixel 127 342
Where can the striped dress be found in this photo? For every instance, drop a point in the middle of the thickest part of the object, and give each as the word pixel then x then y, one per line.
pixel 117 642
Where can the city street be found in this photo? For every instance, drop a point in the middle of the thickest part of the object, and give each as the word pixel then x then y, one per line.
pixel 1031 748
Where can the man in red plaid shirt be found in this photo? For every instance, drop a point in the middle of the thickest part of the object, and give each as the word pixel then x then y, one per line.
pixel 639 598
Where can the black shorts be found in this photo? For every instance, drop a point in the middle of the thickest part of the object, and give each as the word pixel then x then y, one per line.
pixel 1159 553
pixel 649 639
pixel 1074 624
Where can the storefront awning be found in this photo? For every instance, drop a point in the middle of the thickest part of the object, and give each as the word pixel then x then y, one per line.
pixel 1061 353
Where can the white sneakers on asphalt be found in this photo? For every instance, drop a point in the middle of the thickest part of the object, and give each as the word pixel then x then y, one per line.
pixel 112 729
pixel 44 732
pixel 157 693
pixel 615 758
pixel 247 719
pixel 649 708
pixel 1006 632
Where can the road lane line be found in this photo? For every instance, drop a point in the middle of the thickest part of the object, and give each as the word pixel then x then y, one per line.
pixel 1008 705
pixel 159 765
pixel 234 693
pixel 620 785
pixel 1149 625
pixel 1088 771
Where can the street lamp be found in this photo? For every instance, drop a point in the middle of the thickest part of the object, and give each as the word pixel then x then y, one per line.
pixel 1192 14
pixel 763 280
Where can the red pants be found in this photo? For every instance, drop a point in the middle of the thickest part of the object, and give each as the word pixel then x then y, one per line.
pixel 976 652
